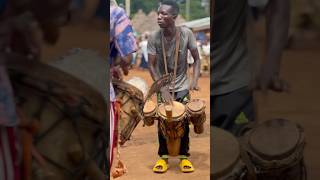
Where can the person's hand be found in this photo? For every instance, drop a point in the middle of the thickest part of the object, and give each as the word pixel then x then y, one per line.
pixel 25 39
pixel 116 72
pixel 268 79
pixel 125 66
pixel 165 94
pixel 19 38
pixel 194 86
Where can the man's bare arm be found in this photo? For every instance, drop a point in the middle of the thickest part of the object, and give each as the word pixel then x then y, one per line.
pixel 277 24
pixel 152 67
pixel 196 69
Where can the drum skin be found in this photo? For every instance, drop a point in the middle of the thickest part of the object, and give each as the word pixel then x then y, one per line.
pixel 226 163
pixel 275 148
pixel 178 111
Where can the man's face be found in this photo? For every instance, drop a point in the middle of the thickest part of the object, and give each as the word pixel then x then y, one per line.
pixel 165 16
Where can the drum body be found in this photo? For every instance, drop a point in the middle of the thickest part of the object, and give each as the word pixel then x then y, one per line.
pixel 275 149
pixel 196 114
pixel 131 103
pixel 150 113
pixel 70 139
pixel 172 122
pixel 225 156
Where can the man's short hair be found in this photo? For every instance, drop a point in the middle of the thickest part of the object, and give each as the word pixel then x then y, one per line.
pixel 173 4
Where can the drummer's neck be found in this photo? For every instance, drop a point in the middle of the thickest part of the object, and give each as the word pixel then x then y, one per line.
pixel 169 31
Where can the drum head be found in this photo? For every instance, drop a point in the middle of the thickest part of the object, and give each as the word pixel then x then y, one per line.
pixel 178 110
pixel 86 65
pixel 195 105
pixel 275 139
pixel 149 107
pixel 225 152
pixel 139 83
pixel 131 90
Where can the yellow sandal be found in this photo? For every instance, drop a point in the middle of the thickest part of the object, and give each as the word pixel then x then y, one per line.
pixel 161 166
pixel 186 166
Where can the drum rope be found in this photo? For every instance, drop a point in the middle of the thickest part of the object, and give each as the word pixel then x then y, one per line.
pixel 280 164
pixel 46 99
pixel 176 56
pixel 304 170
pixel 120 169
pixel 73 114
pixel 118 137
pixel 250 166
pixel 59 166
pixel 281 167
pixel 51 92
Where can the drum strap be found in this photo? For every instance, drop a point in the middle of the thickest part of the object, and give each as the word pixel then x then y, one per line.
pixel 176 56
pixel 120 169
pixel 28 130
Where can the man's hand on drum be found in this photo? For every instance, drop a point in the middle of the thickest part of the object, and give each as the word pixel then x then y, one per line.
pixel 194 86
pixel 121 68
pixel 116 72
pixel 19 40
pixel 125 64
pixel 268 79
pixel 166 96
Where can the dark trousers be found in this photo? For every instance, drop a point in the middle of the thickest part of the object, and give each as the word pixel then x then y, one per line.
pixel 233 111
pixel 183 97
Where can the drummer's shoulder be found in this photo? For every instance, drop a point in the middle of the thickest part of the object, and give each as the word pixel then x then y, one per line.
pixel 185 30
pixel 155 34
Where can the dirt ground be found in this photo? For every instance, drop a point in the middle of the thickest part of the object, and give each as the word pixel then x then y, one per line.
pixel 140 153
pixel 300 68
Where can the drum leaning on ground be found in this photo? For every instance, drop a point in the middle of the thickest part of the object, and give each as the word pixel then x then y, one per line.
pixel 172 122
pixel 225 156
pixel 90 67
pixel 275 149
pixel 70 139
pixel 196 114
pixel 131 102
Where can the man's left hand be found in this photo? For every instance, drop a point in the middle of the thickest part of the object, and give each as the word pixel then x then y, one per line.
pixel 194 86
pixel 269 79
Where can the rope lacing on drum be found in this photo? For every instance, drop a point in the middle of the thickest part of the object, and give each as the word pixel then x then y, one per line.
pixel 74 112
pixel 279 167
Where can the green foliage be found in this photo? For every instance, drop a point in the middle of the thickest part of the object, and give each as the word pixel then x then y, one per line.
pixel 196 10
pixel 145 5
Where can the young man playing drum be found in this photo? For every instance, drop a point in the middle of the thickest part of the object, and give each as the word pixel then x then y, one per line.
pixel 163 59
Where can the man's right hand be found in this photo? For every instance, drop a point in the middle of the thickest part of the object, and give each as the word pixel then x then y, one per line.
pixel 165 94
pixel 20 38
pixel 116 72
